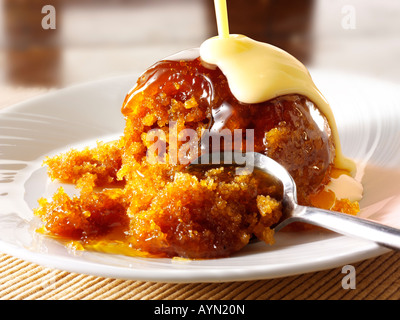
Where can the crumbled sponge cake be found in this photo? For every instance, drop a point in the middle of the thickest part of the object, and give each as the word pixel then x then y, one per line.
pixel 103 162
pixel 161 209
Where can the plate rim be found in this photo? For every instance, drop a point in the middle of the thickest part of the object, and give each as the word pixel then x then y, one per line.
pixel 369 250
pixel 182 275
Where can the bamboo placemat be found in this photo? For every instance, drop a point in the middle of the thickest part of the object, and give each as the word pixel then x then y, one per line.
pixel 376 278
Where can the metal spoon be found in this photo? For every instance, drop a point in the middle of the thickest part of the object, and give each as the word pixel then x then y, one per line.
pixel 339 222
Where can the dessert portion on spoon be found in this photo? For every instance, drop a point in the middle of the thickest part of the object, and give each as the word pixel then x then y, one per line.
pixel 293 212
pixel 234 94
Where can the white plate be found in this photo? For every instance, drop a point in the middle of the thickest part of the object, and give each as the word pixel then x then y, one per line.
pixel 368 116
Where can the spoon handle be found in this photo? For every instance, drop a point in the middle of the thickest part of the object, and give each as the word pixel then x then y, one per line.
pixel 350 225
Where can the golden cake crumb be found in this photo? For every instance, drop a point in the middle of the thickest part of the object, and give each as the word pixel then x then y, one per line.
pixel 137 196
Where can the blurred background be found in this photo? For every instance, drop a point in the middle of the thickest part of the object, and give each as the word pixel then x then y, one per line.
pixel 85 40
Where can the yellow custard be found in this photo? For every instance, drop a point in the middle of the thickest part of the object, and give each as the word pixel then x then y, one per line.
pixel 259 72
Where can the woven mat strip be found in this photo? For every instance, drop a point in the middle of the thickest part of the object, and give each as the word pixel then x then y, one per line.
pixel 377 278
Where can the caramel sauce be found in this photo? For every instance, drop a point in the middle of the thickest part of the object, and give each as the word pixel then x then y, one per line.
pixel 165 210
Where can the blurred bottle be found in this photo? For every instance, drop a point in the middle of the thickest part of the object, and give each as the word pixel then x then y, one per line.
pixel 33 53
